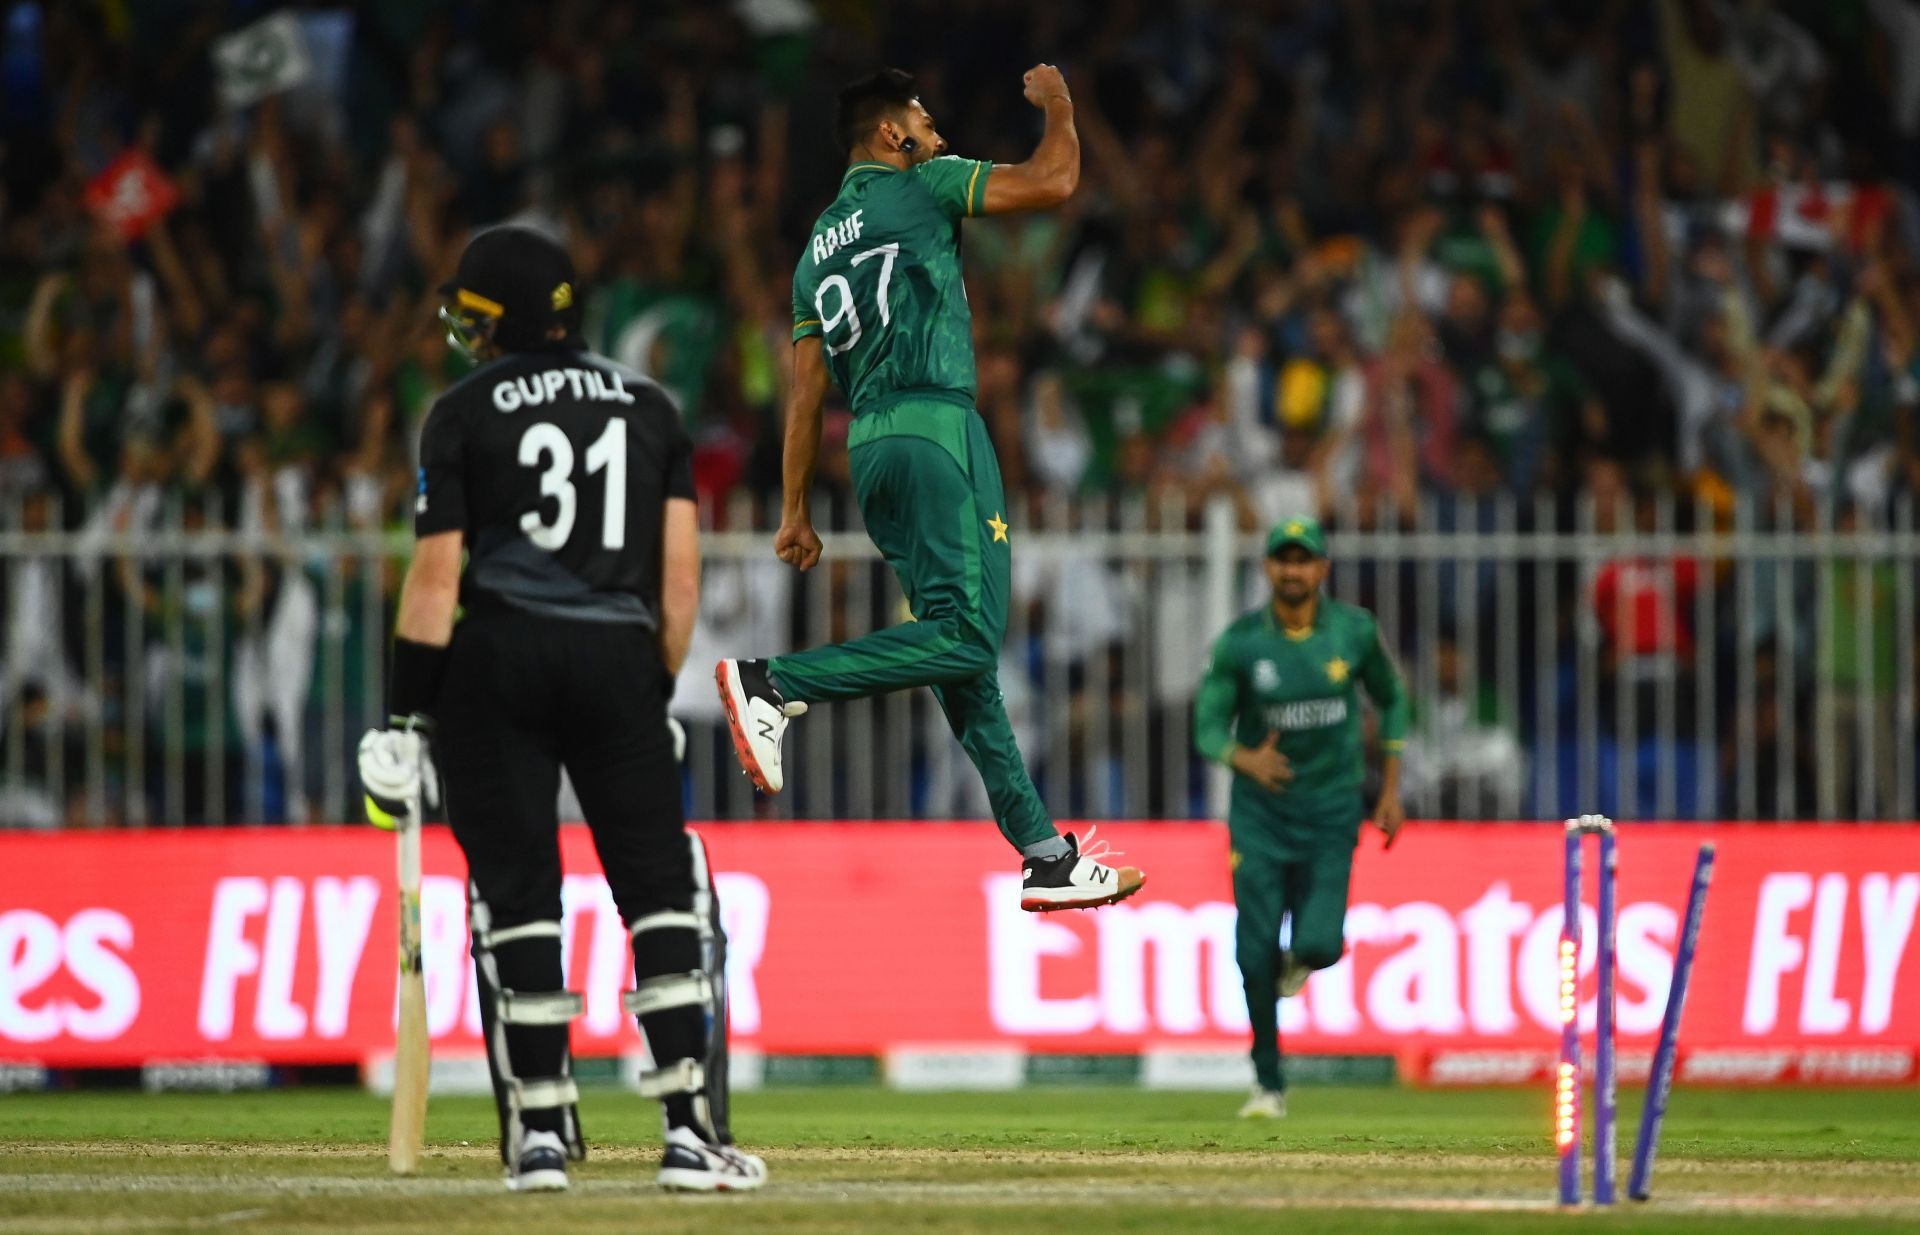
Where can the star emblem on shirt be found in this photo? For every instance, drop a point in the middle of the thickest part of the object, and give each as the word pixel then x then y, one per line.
pixel 1336 671
pixel 999 527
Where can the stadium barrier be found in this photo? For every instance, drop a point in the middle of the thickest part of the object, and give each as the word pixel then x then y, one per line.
pixel 1642 661
pixel 905 942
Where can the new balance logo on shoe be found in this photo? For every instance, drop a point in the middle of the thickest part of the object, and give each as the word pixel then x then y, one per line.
pixel 1077 880
pixel 757 716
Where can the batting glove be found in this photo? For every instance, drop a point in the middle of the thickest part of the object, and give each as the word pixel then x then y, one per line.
pixel 396 773
pixel 679 740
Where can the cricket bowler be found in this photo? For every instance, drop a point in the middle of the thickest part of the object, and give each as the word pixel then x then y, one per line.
pixel 880 309
pixel 1278 707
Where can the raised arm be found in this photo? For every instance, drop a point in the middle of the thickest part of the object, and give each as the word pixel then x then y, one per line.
pixel 71 435
pixel 1499 238
pixel 1558 281
pixel 1109 155
pixel 43 347
pixel 796 543
pixel 201 434
pixel 184 302
pixel 1048 178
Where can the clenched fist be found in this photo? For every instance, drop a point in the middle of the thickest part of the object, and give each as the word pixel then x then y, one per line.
pixel 797 544
pixel 1044 82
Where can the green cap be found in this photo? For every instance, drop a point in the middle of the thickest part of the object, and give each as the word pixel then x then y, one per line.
pixel 1302 530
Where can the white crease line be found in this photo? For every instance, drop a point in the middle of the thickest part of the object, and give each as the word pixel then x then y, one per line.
pixel 1051 1192
pixel 91 1226
pixel 240 1215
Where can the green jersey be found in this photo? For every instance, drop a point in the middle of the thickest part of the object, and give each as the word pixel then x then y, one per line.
pixel 880 282
pixel 1264 680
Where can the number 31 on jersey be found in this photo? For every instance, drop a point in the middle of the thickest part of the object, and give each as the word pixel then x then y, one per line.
pixel 546 446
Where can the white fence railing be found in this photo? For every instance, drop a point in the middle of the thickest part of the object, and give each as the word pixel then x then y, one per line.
pixel 1642 662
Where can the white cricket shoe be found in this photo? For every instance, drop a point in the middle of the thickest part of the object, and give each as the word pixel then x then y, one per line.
pixel 692 1165
pixel 1293 976
pixel 1077 880
pixel 541 1166
pixel 1265 1104
pixel 757 715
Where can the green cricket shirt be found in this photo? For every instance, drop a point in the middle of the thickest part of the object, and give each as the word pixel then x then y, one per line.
pixel 1261 680
pixel 880 282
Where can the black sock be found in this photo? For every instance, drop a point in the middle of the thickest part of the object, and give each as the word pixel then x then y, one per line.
pixel 546 1119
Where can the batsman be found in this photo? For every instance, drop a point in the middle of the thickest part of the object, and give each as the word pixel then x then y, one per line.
pixel 1278 706
pixel 550 600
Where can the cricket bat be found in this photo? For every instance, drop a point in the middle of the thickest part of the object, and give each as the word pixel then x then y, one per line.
pixel 411 1054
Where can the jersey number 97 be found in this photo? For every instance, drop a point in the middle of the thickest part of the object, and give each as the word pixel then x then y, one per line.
pixel 846 314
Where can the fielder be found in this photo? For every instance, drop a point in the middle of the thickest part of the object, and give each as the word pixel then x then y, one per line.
pixel 1278 706
pixel 878 306
pixel 566 482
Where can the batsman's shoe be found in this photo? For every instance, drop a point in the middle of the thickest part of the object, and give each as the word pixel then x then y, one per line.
pixel 1293 976
pixel 1265 1104
pixel 541 1166
pixel 692 1165
pixel 1077 880
pixel 758 716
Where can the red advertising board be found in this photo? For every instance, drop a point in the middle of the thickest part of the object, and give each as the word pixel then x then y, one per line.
pixel 854 938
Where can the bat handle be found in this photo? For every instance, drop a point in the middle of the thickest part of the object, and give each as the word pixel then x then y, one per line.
pixel 407 832
pixel 407 849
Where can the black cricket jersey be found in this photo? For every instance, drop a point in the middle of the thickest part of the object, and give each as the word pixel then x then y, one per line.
pixel 556 464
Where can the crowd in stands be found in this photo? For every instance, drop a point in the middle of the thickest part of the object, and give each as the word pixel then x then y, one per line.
pixel 1382 260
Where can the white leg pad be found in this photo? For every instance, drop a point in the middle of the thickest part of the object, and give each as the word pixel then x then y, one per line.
pixel 680 1076
pixel 509 934
pixel 542 1008
pixel 669 919
pixel 670 990
pixel 545 1092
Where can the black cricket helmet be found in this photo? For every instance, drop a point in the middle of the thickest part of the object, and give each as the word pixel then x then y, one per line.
pixel 513 286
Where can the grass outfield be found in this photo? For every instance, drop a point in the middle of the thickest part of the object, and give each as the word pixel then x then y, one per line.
pixel 870 1160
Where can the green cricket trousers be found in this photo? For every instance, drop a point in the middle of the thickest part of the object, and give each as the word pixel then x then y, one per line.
pixel 1298 868
pixel 928 485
